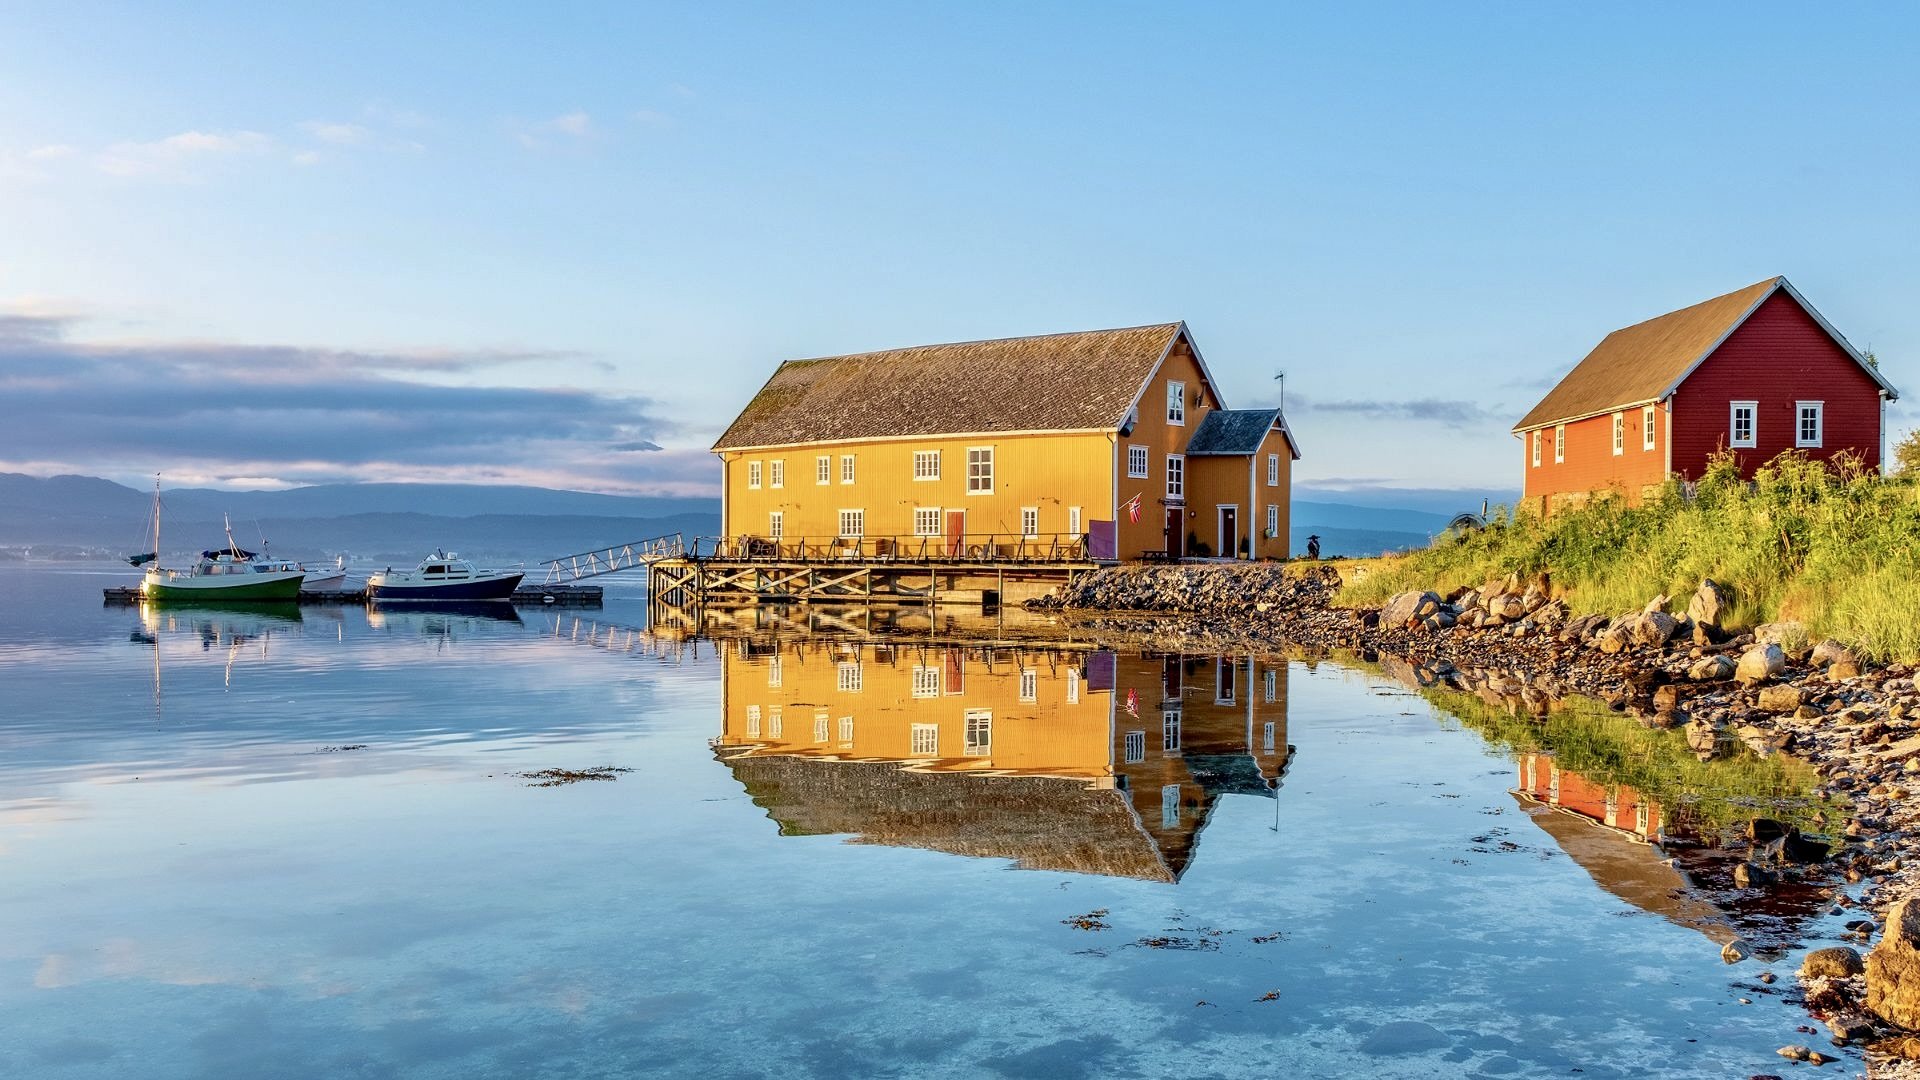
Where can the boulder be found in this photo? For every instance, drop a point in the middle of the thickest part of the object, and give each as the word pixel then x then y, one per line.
pixel 1893 968
pixel 1780 698
pixel 1844 669
pixel 1403 609
pixel 1654 627
pixel 1835 963
pixel 1788 634
pixel 1666 698
pixel 1508 608
pixel 1615 639
pixel 1830 652
pixel 1735 951
pixel 1712 669
pixel 1709 603
pixel 1703 737
pixel 1760 663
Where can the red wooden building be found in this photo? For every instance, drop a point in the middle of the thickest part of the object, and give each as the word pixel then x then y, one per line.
pixel 1757 371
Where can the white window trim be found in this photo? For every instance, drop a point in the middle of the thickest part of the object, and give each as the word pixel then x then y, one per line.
pixel 1273 521
pixel 1753 430
pixel 1029 684
pixel 984 719
pixel 1177 464
pixel 861 521
pixel 1029 515
pixel 934 455
pixel 1649 427
pixel 823 469
pixel 1146 461
pixel 1619 433
pixel 927 736
pixel 777 473
pixel 848 470
pixel 1273 470
pixel 1177 399
pixel 1559 444
pixel 776 524
pixel 753 476
pixel 1819 424
pixel 993 466
pixel 1536 448
pixel 1073 520
pixel 938 519
pixel 1134 747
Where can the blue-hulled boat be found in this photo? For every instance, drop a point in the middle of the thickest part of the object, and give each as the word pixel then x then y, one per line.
pixel 442 576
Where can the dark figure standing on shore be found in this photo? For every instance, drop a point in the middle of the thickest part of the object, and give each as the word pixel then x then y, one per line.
pixel 1313 548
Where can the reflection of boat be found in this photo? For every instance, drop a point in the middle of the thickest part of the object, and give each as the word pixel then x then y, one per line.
pixel 442 576
pixel 479 609
pixel 1057 758
pixel 213 623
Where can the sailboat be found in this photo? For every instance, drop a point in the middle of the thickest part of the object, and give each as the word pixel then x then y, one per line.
pixel 223 574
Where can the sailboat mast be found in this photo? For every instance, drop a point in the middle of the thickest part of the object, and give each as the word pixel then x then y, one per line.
pixel 156 518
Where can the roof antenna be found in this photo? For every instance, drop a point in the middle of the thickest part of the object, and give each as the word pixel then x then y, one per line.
pixel 1280 376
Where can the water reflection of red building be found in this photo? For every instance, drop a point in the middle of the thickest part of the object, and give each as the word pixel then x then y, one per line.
pixel 1616 806
pixel 1059 758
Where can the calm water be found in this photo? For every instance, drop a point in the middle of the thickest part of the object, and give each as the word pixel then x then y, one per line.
pixel 1287 871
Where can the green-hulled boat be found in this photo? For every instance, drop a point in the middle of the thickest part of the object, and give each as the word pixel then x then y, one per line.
pixel 227 574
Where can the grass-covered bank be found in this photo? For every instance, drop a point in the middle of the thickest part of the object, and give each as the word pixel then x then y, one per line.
pixel 1836 549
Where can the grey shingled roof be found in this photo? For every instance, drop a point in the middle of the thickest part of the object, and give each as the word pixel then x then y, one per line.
pixel 1057 382
pixel 1232 431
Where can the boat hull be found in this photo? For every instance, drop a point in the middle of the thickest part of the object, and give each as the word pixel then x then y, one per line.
pixel 387 590
pixel 248 587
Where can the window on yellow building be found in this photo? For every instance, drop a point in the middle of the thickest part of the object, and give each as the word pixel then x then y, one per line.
pixel 926 521
pixel 926 464
pixel 1073 520
pixel 846 468
pixel 820 726
pixel 926 682
pixel 1176 403
pixel 1273 470
pixel 926 740
pixel 823 469
pixel 753 474
pixel 1073 686
pixel 1137 462
pixel 753 721
pixel 773 722
pixel 979 740
pixel 776 524
pixel 848 676
pixel 853 524
pixel 1029 685
pixel 846 731
pixel 1029 521
pixel 979 470
pixel 1176 476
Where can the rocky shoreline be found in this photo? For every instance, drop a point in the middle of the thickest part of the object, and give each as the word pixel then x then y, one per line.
pixel 1668 665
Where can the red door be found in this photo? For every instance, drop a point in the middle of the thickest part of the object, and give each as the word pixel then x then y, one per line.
pixel 1176 533
pixel 956 533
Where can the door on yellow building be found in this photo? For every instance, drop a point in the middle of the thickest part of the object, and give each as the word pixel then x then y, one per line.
pixel 956 533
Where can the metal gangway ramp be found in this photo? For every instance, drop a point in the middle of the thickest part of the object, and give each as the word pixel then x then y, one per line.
pixel 612 560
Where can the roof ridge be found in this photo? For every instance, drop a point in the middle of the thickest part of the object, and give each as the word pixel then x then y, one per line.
pixel 1176 324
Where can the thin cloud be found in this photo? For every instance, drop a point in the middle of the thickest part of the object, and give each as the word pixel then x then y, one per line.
pixel 175 156
pixel 577 124
pixel 1445 412
pixel 336 132
pixel 52 152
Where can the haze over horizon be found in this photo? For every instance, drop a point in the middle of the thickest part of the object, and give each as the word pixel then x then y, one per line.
pixel 271 248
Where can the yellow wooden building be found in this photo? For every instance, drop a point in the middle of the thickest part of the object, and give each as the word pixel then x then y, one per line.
pixel 1112 444
pixel 1066 759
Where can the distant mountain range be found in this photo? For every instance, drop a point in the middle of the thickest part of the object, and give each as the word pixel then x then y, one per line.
pixel 401 522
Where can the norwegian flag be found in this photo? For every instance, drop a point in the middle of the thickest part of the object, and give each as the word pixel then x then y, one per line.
pixel 1133 702
pixel 1133 509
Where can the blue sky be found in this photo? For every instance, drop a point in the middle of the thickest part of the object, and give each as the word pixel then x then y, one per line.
pixel 271 232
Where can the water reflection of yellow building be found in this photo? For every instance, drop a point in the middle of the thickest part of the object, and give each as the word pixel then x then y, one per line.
pixel 1058 758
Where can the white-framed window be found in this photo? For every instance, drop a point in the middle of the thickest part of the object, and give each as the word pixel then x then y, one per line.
pixel 777 473
pixel 853 524
pixel 926 521
pixel 1810 431
pixel 1177 403
pixel 846 468
pixel 1273 520
pixel 773 672
pixel 775 723
pixel 1743 428
pixel 1649 428
pixel 1641 819
pixel 847 677
pixel 1536 448
pixel 1170 730
pixel 1226 680
pixel 1266 742
pixel 1169 805
pixel 1270 686
pixel 979 741
pixel 753 474
pixel 1559 444
pixel 753 721
pixel 979 470
pixel 926 682
pixel 926 464
pixel 1176 476
pixel 1136 462
pixel 1029 685
pixel 820 719
pixel 1619 433
pixel 1073 520
pixel 846 731
pixel 776 524
pixel 823 469
pixel 1073 686
pixel 1029 521
pixel 1136 747
pixel 926 740
pixel 1273 470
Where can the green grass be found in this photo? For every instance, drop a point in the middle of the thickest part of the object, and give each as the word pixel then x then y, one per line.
pixel 1835 548
pixel 1713 798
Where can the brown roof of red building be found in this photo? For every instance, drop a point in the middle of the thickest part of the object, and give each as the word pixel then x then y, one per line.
pixel 1056 382
pixel 1647 361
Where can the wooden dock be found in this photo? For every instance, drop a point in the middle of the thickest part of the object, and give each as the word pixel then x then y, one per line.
pixel 582 596
pixel 698 582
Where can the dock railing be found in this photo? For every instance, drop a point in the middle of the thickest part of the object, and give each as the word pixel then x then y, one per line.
pixel 986 548
pixel 609 560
